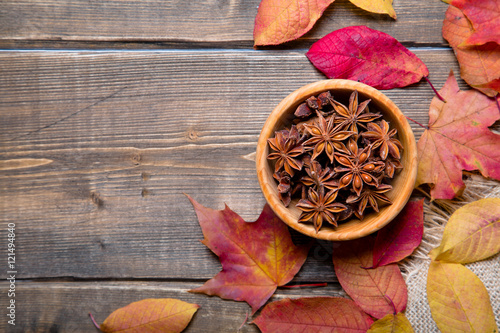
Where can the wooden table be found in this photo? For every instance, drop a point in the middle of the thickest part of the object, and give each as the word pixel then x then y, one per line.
pixel 111 110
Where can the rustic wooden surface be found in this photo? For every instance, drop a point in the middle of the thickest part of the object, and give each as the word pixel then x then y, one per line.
pixel 111 110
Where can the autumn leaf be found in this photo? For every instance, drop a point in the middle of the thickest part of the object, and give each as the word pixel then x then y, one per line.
pixel 471 234
pixel 458 300
pixel 362 54
pixel 401 237
pixel 321 314
pixel 392 323
pixel 377 291
pixel 280 21
pixel 256 257
pixel 458 139
pixel 376 6
pixel 151 315
pixel 479 65
pixel 485 18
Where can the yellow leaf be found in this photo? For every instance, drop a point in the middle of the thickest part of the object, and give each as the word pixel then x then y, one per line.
pixel 392 324
pixel 471 234
pixel 376 6
pixel 458 300
pixel 151 315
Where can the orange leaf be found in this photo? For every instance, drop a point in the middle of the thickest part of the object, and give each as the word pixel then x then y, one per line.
pixel 256 257
pixel 280 21
pixel 392 324
pixel 313 314
pixel 458 300
pixel 471 234
pixel 376 6
pixel 485 18
pixel 479 65
pixel 377 291
pixel 151 315
pixel 458 139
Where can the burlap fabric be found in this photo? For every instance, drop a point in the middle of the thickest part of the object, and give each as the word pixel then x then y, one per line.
pixel 415 268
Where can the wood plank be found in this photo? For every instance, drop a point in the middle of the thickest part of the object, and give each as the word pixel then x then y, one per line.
pixel 97 149
pixel 221 23
pixel 64 306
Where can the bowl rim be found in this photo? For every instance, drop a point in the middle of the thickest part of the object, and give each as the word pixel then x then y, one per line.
pixel 354 229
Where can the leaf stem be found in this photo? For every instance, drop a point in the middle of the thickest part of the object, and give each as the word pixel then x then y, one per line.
pixel 244 322
pixel 94 322
pixel 416 122
pixel 324 284
pixel 434 89
pixel 392 303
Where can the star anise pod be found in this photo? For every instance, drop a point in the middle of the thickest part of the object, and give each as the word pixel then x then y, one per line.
pixel 284 187
pixel 381 136
pixel 371 196
pixel 327 137
pixel 320 207
pixel 391 165
pixel 358 168
pixel 318 177
pixel 355 115
pixel 287 150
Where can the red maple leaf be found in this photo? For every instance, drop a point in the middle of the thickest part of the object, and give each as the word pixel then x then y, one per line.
pixel 458 139
pixel 256 257
pixel 366 55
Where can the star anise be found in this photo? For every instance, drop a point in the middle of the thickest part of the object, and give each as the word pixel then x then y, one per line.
pixel 288 149
pixel 320 207
pixel 358 168
pixel 381 136
pixel 327 137
pixel 391 165
pixel 284 187
pixel 371 196
pixel 355 115
pixel 317 177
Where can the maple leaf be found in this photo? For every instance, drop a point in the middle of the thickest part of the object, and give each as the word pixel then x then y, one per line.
pixel 458 300
pixel 151 315
pixel 280 21
pixel 392 323
pixel 402 236
pixel 256 257
pixel 362 54
pixel 376 6
pixel 479 65
pixel 377 291
pixel 323 314
pixel 458 139
pixel 485 18
pixel 471 234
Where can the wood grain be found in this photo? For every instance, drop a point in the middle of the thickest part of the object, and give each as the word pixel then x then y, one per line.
pixel 127 133
pixel 220 23
pixel 64 306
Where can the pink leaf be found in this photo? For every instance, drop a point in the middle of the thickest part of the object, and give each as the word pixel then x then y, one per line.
pixel 401 237
pixel 377 291
pixel 366 55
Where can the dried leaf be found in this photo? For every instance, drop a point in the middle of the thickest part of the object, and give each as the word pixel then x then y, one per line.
pixel 377 291
pixel 401 237
pixel 325 314
pixel 151 315
pixel 479 65
pixel 256 257
pixel 485 18
pixel 376 6
pixel 458 139
pixel 366 55
pixel 280 21
pixel 392 324
pixel 458 300
pixel 471 234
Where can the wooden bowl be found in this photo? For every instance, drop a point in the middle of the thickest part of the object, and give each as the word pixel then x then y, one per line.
pixel 402 183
